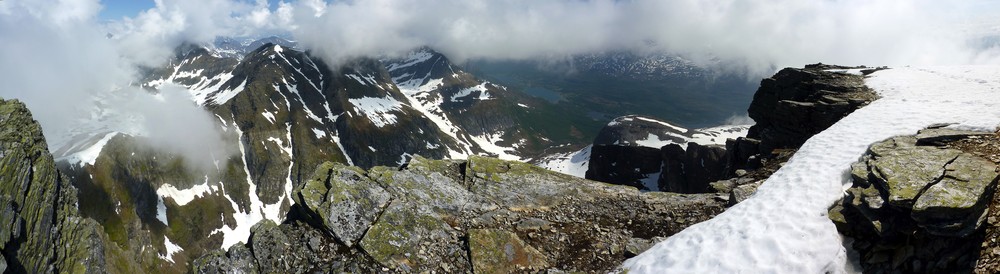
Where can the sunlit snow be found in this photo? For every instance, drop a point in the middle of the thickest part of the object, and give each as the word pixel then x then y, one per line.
pixel 784 227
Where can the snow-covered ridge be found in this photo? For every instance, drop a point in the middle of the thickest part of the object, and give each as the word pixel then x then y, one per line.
pixel 784 227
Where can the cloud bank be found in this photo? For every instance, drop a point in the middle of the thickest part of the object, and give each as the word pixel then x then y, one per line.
pixel 750 36
pixel 76 81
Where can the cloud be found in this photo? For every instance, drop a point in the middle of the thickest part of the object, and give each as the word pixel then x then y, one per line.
pixel 753 36
pixel 59 61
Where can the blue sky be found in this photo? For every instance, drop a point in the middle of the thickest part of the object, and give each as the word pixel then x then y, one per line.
pixel 116 9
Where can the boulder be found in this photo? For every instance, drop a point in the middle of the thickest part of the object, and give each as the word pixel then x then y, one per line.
pixel 344 199
pixel 918 206
pixel 495 251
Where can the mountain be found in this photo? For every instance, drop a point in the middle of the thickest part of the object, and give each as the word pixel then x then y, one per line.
pixel 285 112
pixel 237 47
pixel 604 86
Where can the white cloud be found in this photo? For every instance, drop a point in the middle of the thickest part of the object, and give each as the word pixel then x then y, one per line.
pixel 58 60
pixel 749 36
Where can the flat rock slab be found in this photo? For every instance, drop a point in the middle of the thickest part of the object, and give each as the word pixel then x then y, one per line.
pixel 497 251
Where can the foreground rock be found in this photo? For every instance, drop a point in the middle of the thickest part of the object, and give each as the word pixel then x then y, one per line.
pixel 918 203
pixel 482 215
pixel 41 230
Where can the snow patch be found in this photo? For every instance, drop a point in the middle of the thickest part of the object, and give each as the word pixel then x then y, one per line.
pixel 184 196
pixel 378 109
pixel 573 163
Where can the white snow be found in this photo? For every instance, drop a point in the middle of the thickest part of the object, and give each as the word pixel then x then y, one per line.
pixel 784 227
pixel 269 115
pixel 488 142
pixel 89 155
pixel 522 105
pixel 481 88
pixel 185 196
pixel 412 59
pixel 573 163
pixel 378 109
pixel 319 133
pixel 172 249
pixel 257 210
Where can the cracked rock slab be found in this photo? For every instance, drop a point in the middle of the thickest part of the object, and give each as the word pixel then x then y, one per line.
pixel 345 199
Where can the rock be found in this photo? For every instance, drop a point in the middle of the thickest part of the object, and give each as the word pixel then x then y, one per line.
pixel 439 208
pixel 635 246
pixel 795 104
pixel 906 172
pixel 496 251
pixel 941 136
pixel 270 245
pixel 41 230
pixel 408 240
pixel 743 192
pixel 344 199
pixel 533 224
pixel 955 206
pixel 918 206
pixel 691 170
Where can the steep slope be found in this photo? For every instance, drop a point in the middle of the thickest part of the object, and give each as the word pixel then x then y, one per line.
pixel 480 115
pixel 40 228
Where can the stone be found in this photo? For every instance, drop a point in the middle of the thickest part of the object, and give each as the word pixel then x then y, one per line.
pixel 940 136
pixel 344 198
pixel 955 206
pixel 743 192
pixel 907 172
pixel 495 251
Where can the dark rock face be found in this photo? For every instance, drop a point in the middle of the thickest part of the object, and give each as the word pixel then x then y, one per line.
pixel 628 151
pixel 41 230
pixel 796 104
pixel 622 165
pixel 918 204
pixel 691 170
pixel 482 215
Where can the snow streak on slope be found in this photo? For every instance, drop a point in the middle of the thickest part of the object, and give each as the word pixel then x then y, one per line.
pixel 784 227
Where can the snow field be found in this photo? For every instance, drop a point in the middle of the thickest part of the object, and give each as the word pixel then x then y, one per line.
pixel 784 227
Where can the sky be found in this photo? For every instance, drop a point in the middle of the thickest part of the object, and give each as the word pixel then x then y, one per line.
pixel 57 55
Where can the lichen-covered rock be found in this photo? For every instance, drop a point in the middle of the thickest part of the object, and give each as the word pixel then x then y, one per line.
pixel 571 223
pixel 906 172
pixel 918 206
pixel 41 230
pixel 406 239
pixel 955 206
pixel 496 251
pixel 344 199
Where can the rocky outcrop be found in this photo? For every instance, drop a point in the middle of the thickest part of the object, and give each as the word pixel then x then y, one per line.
pixel 654 155
pixel 918 203
pixel 41 230
pixel 796 104
pixel 691 170
pixel 481 215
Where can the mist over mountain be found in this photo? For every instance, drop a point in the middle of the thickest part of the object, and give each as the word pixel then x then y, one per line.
pixel 452 136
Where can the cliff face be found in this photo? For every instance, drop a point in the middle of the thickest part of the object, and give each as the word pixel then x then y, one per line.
pixel 482 215
pixel 41 230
